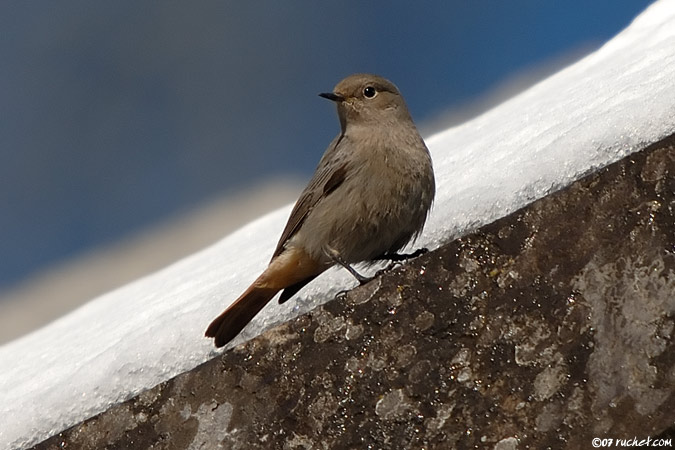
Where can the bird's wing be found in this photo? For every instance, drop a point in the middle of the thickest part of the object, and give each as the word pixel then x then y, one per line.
pixel 330 174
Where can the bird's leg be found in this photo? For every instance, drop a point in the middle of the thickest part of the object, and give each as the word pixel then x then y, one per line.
pixel 361 279
pixel 337 259
pixel 397 257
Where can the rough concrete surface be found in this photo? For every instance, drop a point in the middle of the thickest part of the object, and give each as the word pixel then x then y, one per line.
pixel 545 329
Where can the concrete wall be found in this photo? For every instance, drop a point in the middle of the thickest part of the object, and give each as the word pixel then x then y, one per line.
pixel 547 328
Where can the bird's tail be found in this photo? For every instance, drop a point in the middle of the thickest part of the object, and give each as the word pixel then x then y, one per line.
pixel 287 269
pixel 227 325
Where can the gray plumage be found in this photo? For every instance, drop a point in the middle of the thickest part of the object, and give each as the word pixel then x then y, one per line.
pixel 369 197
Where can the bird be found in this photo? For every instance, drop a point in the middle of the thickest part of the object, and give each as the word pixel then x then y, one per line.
pixel 369 197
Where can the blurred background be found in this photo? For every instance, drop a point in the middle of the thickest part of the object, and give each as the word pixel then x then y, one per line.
pixel 134 133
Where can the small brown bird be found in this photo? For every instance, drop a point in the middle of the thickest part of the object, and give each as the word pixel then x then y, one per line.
pixel 369 196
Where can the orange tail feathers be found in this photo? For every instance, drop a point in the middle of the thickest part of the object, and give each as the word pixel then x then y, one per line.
pixel 226 326
pixel 289 268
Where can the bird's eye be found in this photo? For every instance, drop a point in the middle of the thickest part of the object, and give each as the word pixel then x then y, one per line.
pixel 369 92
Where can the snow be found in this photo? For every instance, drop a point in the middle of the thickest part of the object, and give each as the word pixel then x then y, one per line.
pixel 613 102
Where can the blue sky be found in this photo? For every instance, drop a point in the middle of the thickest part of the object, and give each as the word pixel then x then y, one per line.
pixel 118 115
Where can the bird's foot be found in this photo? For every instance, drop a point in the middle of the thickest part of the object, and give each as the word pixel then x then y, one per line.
pixel 397 257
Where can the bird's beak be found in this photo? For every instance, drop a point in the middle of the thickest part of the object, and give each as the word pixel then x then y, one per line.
pixel 332 96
